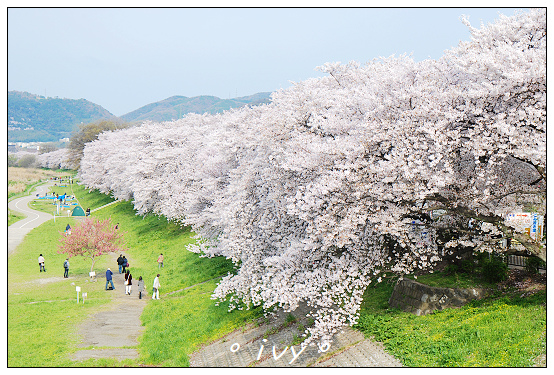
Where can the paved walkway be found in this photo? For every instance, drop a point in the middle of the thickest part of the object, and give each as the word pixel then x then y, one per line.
pixel 110 333
pixel 272 344
pixel 17 231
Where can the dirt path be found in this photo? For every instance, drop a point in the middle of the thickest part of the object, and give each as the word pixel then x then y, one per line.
pixel 113 332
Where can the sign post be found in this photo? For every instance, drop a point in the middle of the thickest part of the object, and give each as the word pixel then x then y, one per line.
pixel 78 289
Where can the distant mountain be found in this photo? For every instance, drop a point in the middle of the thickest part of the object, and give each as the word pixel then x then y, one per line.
pixel 37 118
pixel 177 106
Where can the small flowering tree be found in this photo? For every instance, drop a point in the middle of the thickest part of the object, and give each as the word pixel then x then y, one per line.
pixel 92 238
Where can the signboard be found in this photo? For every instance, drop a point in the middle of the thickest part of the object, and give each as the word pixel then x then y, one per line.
pixel 527 222
pixel 420 234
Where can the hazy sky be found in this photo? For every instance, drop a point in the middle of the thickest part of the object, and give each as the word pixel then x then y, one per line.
pixel 124 58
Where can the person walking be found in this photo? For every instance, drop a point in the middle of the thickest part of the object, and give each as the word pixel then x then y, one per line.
pixel 120 262
pixel 41 263
pixel 125 263
pixel 68 230
pixel 140 287
pixel 109 274
pixel 66 268
pixel 161 261
pixel 156 288
pixel 128 282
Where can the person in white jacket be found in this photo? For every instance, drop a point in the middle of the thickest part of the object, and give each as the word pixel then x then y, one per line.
pixel 156 288
pixel 41 263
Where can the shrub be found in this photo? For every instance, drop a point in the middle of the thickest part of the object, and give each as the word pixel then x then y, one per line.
pixel 482 258
pixel 451 269
pixel 467 266
pixel 495 271
pixel 533 263
pixel 27 161
pixel 12 160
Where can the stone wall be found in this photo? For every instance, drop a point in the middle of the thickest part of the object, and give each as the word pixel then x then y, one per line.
pixel 420 299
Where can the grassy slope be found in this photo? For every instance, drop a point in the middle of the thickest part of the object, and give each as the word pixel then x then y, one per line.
pixel 499 331
pixel 14 217
pixel 43 313
pixel 175 325
pixel 179 323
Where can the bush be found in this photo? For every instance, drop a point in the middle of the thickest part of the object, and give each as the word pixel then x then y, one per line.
pixel 532 264
pixel 495 271
pixel 27 161
pixel 467 266
pixel 482 258
pixel 451 269
pixel 12 160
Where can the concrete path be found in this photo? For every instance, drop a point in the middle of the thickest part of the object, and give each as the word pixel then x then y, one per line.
pixel 272 344
pixel 17 231
pixel 110 333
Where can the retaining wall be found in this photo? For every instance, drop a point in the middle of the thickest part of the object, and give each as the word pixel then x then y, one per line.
pixel 419 299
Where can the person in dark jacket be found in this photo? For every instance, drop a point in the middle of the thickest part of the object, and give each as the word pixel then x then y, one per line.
pixel 120 262
pixel 66 268
pixel 109 274
pixel 128 282
pixel 125 263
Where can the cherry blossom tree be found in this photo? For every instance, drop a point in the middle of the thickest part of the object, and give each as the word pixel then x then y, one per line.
pixel 58 159
pixel 92 238
pixel 383 167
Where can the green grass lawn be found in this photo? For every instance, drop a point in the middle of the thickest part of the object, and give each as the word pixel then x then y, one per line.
pixel 43 316
pixel 498 331
pixel 14 217
pixel 455 280
pixel 175 325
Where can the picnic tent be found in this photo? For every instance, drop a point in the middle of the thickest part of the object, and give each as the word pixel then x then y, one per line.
pixel 78 211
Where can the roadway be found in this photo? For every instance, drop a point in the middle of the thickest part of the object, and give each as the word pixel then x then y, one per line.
pixel 18 230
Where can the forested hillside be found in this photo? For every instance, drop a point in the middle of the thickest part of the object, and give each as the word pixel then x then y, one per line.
pixel 37 118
